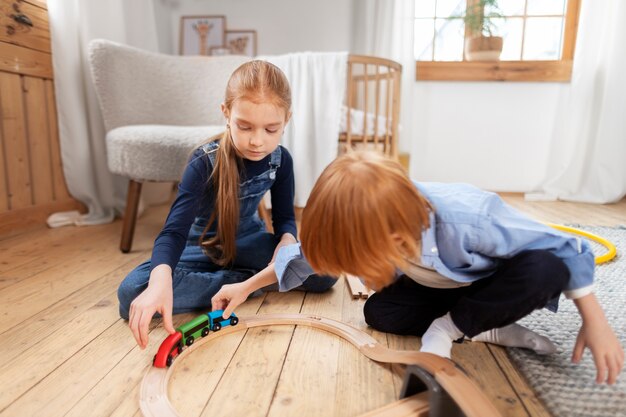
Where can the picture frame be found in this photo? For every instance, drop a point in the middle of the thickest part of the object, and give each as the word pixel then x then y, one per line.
pixel 198 34
pixel 241 42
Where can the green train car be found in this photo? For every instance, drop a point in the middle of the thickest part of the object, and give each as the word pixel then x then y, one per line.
pixel 196 328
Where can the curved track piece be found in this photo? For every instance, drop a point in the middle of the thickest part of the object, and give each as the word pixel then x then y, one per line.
pixel 473 402
pixel 611 250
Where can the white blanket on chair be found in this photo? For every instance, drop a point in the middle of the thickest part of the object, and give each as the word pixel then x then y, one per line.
pixel 318 84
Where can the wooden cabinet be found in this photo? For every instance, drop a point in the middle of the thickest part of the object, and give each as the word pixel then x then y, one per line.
pixel 32 184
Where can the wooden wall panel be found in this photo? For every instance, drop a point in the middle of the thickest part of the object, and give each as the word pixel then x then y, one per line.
pixel 15 143
pixel 20 60
pixel 35 37
pixel 32 183
pixel 38 139
pixel 41 3
pixel 4 194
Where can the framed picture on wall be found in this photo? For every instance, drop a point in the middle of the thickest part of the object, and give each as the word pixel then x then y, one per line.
pixel 198 34
pixel 241 42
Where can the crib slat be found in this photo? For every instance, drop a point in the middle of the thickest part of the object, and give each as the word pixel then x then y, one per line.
pixel 377 108
pixel 349 105
pixel 365 87
pixel 396 113
pixel 387 119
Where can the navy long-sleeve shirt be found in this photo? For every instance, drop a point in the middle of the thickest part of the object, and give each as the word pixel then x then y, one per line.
pixel 196 198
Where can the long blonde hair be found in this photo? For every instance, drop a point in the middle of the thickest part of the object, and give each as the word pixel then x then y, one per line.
pixel 364 217
pixel 259 82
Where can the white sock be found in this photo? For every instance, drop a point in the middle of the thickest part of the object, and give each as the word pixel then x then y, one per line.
pixel 515 335
pixel 439 336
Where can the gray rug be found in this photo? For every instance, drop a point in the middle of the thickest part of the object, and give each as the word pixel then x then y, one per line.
pixel 567 389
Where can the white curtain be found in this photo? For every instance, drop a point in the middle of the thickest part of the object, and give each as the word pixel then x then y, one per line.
pixel 318 86
pixel 73 23
pixel 588 157
pixel 384 28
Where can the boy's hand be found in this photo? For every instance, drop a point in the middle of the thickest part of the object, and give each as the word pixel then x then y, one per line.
pixel 606 349
pixel 286 239
pixel 157 298
pixel 597 335
pixel 229 297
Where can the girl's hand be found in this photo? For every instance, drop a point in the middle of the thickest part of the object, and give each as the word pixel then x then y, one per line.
pixel 157 298
pixel 597 335
pixel 286 239
pixel 229 297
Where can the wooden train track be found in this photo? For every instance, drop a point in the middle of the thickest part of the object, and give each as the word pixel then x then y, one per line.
pixel 470 399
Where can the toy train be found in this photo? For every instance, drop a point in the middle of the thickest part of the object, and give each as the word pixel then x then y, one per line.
pixel 187 333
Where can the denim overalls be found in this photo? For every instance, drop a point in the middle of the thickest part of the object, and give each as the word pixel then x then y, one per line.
pixel 196 279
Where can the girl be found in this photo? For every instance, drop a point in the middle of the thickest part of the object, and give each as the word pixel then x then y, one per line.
pixel 449 260
pixel 213 235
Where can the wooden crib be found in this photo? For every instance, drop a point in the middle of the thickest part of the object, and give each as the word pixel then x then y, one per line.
pixel 372 108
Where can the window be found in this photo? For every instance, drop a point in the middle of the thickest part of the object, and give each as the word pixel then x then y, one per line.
pixel 539 38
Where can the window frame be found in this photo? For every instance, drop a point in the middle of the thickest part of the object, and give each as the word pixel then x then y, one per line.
pixel 548 71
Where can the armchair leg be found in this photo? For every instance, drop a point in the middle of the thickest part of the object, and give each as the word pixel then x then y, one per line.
pixel 130 215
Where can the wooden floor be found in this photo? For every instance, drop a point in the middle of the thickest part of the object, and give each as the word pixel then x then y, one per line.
pixel 65 351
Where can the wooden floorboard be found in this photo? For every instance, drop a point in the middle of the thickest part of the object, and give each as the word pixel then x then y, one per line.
pixel 117 381
pixel 212 361
pixel 478 362
pixel 66 351
pixel 362 385
pixel 248 385
pixel 309 375
pixel 529 401
pixel 52 318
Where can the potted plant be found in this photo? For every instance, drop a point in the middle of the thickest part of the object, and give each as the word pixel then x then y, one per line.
pixel 481 44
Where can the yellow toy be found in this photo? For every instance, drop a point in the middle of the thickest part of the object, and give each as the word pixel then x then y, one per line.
pixel 609 255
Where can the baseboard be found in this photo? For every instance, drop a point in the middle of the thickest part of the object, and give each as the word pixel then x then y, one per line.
pixel 22 220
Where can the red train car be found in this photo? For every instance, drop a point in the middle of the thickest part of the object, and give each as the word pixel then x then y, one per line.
pixel 169 349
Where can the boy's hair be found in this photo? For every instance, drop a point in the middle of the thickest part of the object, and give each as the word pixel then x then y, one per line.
pixel 259 82
pixel 364 217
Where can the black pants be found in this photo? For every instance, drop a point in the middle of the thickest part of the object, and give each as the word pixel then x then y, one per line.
pixel 520 285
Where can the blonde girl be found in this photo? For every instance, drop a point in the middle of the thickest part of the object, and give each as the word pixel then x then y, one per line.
pixel 213 235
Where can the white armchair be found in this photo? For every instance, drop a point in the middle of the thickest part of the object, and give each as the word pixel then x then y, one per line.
pixel 156 108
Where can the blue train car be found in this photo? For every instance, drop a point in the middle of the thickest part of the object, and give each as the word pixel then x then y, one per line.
pixel 216 321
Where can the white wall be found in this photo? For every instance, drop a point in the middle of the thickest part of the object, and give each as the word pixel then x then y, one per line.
pixel 494 135
pixel 282 25
pixel 163 19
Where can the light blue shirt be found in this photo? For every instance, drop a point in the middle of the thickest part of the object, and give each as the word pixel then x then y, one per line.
pixel 470 231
